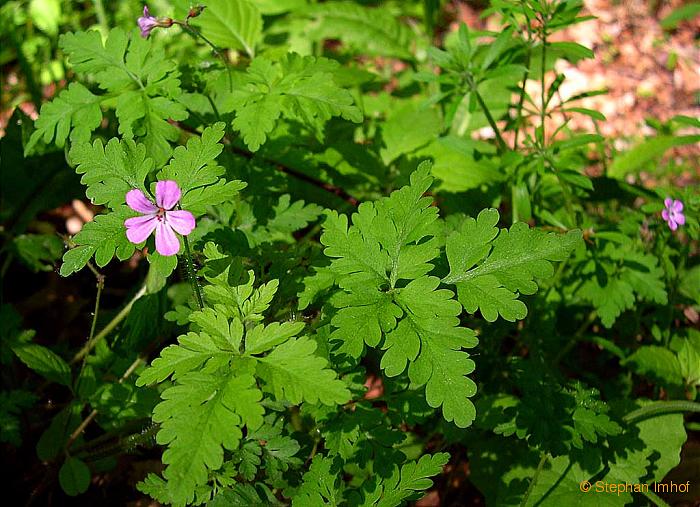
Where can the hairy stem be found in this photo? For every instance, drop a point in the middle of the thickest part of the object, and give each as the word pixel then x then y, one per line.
pixel 109 327
pixel 658 408
pixel 100 287
pixel 216 49
pixel 189 267
pixel 544 457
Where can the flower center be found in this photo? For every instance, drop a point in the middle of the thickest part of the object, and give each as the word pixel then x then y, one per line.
pixel 160 214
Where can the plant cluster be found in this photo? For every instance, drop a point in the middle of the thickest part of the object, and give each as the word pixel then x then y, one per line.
pixel 393 259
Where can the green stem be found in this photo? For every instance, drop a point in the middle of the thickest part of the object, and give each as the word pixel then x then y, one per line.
pixel 568 195
pixel 521 99
pixel 189 266
pixel 101 16
pixel 34 89
pixel 216 49
pixel 109 327
pixel 100 287
pixel 544 457
pixel 499 139
pixel 543 112
pixel 658 501
pixel 658 408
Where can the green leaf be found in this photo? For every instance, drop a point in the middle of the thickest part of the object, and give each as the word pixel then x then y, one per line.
pixel 203 414
pixel 616 277
pixel 366 30
pixel 650 149
pixel 683 13
pixel 406 483
pixel 295 87
pixel 490 267
pixel 263 338
pixel 401 135
pixel 291 216
pixel 104 238
pixel 38 251
pixel 380 262
pixel 319 484
pixel 689 361
pixel 74 476
pixel 75 108
pixel 145 81
pixel 161 267
pixel 231 24
pixel 193 351
pixel 55 437
pixel 195 170
pixel 109 172
pixel 44 362
pixel 441 365
pixel 657 363
pixel 294 373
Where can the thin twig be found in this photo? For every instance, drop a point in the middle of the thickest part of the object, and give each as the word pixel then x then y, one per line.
pixel 109 327
pixel 84 424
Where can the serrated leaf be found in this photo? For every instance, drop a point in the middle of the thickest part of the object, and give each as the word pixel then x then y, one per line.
pixel 104 238
pixel 658 364
pixel 195 170
pixel 318 486
pixel 509 262
pixel 200 416
pixel 44 362
pixel 74 108
pixel 234 24
pixel 262 338
pixel 110 171
pixel 619 276
pixel 143 82
pixel 294 373
pixel 295 87
pixel 364 29
pixel 193 351
pixel 406 483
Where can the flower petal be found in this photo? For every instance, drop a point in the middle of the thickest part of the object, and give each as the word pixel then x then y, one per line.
pixel 166 242
pixel 139 228
pixel 167 194
pixel 679 218
pixel 137 201
pixel 146 14
pixel 665 215
pixel 677 206
pixel 180 220
pixel 668 202
pixel 672 224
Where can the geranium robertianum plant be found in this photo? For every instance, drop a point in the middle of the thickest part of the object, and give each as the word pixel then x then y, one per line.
pixel 371 295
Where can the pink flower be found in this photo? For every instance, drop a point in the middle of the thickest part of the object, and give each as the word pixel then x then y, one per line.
pixel 147 22
pixel 673 213
pixel 159 217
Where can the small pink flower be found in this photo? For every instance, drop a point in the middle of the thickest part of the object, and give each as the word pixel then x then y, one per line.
pixel 159 217
pixel 147 22
pixel 673 213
